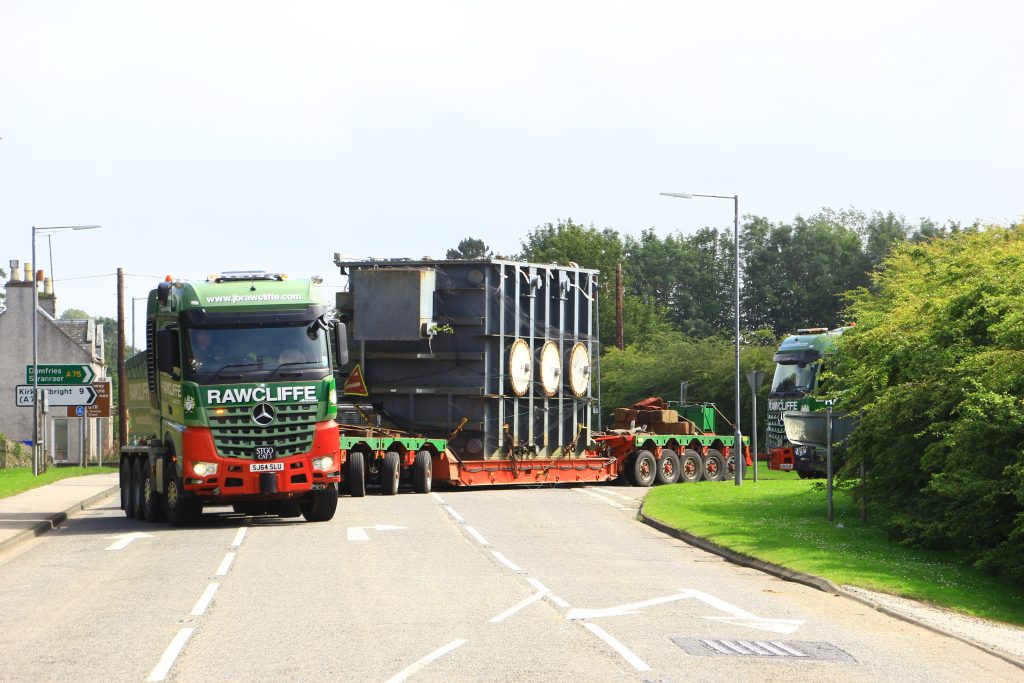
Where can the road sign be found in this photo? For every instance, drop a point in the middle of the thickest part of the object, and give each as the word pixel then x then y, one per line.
pixel 72 395
pixel 99 408
pixel 355 385
pixel 61 374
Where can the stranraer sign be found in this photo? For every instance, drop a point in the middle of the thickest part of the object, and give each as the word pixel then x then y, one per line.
pixel 61 374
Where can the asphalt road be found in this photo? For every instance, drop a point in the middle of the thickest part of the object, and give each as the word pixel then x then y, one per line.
pixel 461 585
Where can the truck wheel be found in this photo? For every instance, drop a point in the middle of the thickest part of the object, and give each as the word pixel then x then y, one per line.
pixel 714 466
pixel 644 469
pixel 668 467
pixel 137 494
pixel 422 474
pixel 152 509
pixel 355 474
pixel 320 505
pixel 730 468
pixel 390 470
pixel 127 504
pixel 691 468
pixel 180 509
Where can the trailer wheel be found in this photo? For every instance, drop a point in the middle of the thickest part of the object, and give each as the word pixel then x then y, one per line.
pixel 714 466
pixel 180 509
pixel 691 468
pixel 643 469
pixel 152 509
pixel 355 469
pixel 127 503
pixel 422 473
pixel 321 505
pixel 668 467
pixel 390 470
pixel 137 494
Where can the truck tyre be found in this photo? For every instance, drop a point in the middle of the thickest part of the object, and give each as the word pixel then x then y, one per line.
pixel 422 474
pixel 644 468
pixel 691 468
pixel 137 495
pixel 180 509
pixel 668 467
pixel 152 508
pixel 390 470
pixel 714 466
pixel 127 504
pixel 320 506
pixel 355 474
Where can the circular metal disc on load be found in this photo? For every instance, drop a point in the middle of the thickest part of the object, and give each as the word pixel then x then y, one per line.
pixel 579 370
pixel 520 367
pixel 550 368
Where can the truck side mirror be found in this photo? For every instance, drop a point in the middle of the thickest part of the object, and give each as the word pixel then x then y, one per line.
pixel 167 355
pixel 340 344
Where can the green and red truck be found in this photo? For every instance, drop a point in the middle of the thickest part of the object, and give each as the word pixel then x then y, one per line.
pixel 233 401
pixel 796 387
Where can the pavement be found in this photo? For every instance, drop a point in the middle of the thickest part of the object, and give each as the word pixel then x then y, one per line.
pixel 32 513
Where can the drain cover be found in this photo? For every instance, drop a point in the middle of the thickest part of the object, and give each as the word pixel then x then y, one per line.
pixel 777 649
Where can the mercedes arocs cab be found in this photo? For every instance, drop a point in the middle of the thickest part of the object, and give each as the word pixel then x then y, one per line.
pixel 233 401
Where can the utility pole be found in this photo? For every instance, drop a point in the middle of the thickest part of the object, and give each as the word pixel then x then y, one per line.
pixel 122 407
pixel 620 332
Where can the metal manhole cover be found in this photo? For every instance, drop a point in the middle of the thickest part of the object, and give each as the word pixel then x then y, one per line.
pixel 765 649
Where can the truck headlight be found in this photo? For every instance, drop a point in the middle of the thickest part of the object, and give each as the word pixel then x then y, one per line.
pixel 324 463
pixel 204 469
pixel 332 396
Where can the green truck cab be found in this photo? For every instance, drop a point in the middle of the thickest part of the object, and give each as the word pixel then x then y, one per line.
pixel 233 402
pixel 796 386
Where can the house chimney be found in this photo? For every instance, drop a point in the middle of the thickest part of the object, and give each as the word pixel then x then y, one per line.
pixel 28 272
pixel 47 301
pixel 47 286
pixel 15 275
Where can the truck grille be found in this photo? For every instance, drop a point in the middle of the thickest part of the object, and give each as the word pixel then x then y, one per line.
pixel 776 431
pixel 236 436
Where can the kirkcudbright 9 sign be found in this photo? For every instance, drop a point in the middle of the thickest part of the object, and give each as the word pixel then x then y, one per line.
pixel 61 374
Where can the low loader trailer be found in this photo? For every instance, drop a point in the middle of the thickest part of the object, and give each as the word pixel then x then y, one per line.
pixel 233 401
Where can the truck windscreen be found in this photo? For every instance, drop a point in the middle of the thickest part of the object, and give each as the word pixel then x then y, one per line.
pixel 793 379
pixel 215 354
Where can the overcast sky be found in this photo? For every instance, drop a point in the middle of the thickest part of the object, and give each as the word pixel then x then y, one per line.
pixel 208 136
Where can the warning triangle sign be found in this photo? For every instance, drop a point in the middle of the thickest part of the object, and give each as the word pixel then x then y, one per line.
pixel 355 384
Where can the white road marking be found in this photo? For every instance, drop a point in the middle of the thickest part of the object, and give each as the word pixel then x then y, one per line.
pixel 558 601
pixel 536 584
pixel 419 664
pixel 608 492
pixel 737 616
pixel 507 562
pixel 239 537
pixel 602 498
pixel 735 647
pixel 518 606
pixel 476 534
pixel 225 564
pixel 454 514
pixel 438 498
pixel 159 671
pixel 768 647
pixel 204 600
pixel 358 533
pixel 125 539
pixel 622 610
pixel 753 646
pixel 638 664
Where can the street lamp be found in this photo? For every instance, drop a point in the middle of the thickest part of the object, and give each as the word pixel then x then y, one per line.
pixel 738 445
pixel 38 461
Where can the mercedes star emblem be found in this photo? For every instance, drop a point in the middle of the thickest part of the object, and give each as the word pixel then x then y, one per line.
pixel 263 414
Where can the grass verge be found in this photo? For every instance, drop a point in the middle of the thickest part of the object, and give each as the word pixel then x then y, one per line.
pixel 17 479
pixel 782 520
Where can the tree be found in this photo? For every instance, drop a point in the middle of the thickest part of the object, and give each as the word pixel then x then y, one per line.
pixel 935 370
pixel 3 289
pixel 470 249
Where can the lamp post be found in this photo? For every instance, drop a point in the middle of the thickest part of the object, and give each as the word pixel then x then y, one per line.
pixel 738 444
pixel 38 460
